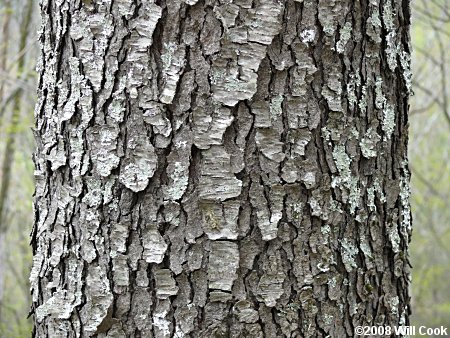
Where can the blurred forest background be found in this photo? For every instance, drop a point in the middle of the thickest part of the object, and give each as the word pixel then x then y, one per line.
pixel 429 155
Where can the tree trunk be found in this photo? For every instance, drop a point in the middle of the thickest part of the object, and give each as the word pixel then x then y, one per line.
pixel 212 168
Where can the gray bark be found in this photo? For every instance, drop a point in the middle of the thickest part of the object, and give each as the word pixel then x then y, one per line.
pixel 211 168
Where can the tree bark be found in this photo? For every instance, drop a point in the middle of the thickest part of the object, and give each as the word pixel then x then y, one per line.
pixel 212 168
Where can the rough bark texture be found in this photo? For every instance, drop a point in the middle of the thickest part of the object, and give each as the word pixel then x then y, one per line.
pixel 211 168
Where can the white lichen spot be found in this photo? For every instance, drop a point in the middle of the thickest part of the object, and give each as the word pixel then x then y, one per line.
pixel 325 229
pixel 335 206
pixel 332 282
pixel 160 322
pixel 308 35
pixel 405 194
pixel 328 319
pixel 326 135
pixel 393 303
pixel 363 101
pixel 355 194
pixel 323 267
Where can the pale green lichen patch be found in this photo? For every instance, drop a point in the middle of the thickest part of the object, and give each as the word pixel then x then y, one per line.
pixel 355 194
pixel 233 74
pixel 342 161
pixel 374 29
pixel 392 48
pixel 392 304
pixel 388 124
pixel 348 254
pixel 375 188
pixel 353 84
pixel 405 62
pixel 325 229
pixel 380 99
pixel 275 107
pixel 363 101
pixel 394 237
pixel 136 175
pixel 329 13
pixel 345 35
pixel 369 143
pixel 345 178
pixel 178 172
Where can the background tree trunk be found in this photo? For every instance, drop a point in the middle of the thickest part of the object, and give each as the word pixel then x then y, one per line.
pixel 221 168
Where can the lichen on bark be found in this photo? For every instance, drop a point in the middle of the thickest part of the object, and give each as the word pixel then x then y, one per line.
pixel 212 168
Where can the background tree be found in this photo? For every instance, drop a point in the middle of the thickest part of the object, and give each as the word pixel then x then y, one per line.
pixel 221 169
pixel 17 86
pixel 429 153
